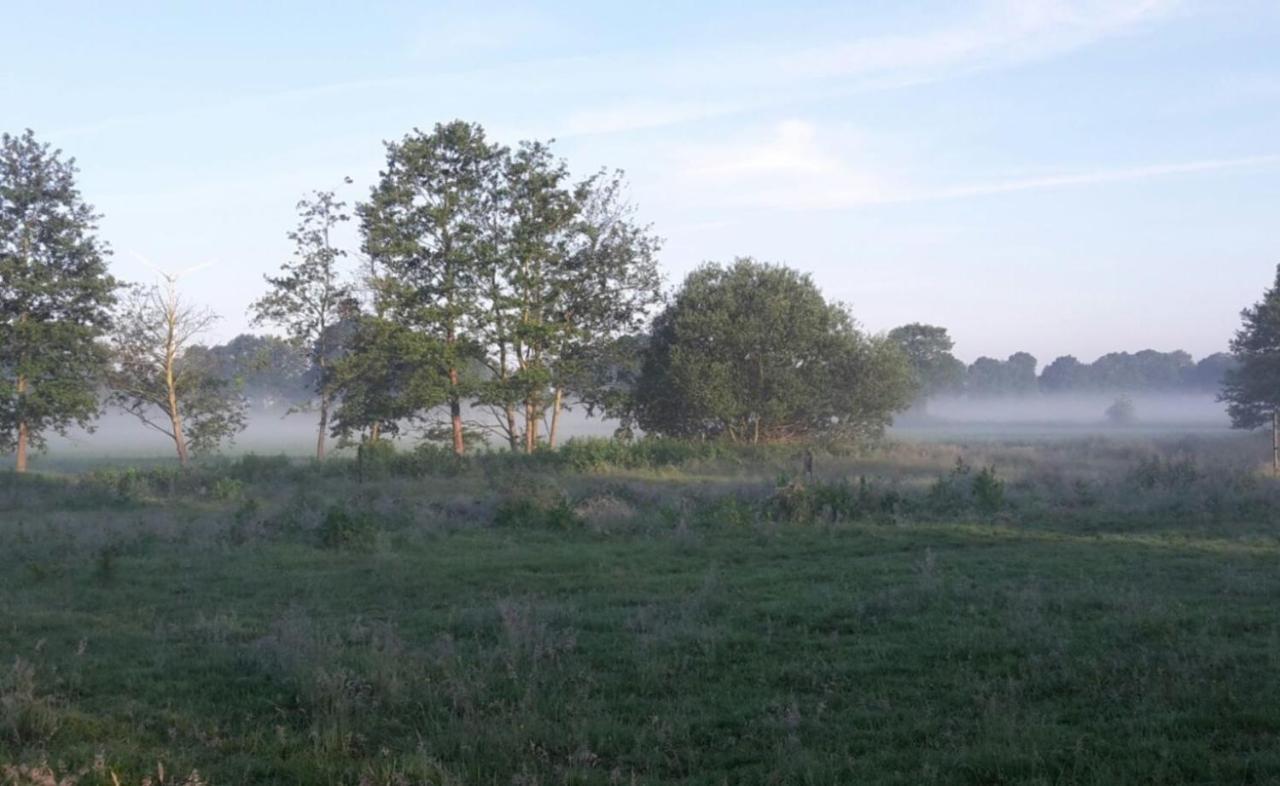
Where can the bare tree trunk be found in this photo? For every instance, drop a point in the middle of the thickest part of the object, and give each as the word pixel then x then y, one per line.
pixel 375 432
pixel 455 415
pixel 530 426
pixel 179 439
pixel 324 426
pixel 513 436
pixel 555 418
pixel 1275 442
pixel 23 437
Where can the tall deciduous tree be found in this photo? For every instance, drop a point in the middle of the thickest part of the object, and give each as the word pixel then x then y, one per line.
pixel 308 298
pixel 928 350
pixel 611 283
pixel 55 297
pixel 424 225
pixel 753 353
pixel 1252 389
pixel 157 380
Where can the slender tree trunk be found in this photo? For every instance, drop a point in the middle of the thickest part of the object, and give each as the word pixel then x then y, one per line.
pixel 555 418
pixel 324 426
pixel 513 423
pixel 1275 442
pixel 530 426
pixel 375 432
pixel 455 415
pixel 24 433
pixel 175 415
pixel 23 437
pixel 179 439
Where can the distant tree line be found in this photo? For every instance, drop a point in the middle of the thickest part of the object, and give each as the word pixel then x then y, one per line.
pixel 938 372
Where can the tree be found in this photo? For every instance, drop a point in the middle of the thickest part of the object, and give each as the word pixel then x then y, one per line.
pixel 308 298
pixel 1210 371
pixel 270 372
pixel 1121 412
pixel 1064 375
pixel 543 208
pixel 388 373
pixel 424 226
pixel 928 351
pixel 158 380
pixel 55 297
pixel 1252 389
pixel 752 352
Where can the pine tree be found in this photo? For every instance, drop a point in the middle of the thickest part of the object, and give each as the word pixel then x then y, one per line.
pixel 1252 389
pixel 55 297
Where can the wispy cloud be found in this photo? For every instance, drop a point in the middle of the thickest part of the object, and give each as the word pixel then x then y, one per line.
pixel 683 85
pixel 797 166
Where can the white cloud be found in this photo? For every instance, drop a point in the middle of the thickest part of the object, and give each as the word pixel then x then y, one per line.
pixel 794 166
pixel 797 166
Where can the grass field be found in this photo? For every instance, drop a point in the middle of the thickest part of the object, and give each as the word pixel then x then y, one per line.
pixel 1106 612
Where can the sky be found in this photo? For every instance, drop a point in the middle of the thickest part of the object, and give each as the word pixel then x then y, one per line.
pixel 1050 176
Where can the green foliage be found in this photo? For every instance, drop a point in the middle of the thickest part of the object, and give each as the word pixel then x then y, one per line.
pixel 752 353
pixel 1252 389
pixel 987 490
pixel 536 509
pixel 342 528
pixel 928 351
pixel 269 371
pixel 1155 472
pixel 55 295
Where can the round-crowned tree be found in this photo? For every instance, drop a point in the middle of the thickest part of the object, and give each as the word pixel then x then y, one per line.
pixel 752 352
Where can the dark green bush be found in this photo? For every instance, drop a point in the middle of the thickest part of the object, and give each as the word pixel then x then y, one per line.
pixel 343 529
pixel 536 511
pixel 987 490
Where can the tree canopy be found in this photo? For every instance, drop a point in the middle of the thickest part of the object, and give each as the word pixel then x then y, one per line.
pixel 55 297
pixel 1252 389
pixel 752 352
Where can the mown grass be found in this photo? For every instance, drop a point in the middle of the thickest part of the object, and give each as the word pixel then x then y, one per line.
pixel 671 627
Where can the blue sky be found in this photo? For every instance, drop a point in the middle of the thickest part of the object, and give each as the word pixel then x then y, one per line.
pixel 1042 175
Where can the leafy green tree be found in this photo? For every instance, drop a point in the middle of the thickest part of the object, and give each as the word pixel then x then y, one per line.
pixel 388 374
pixel 752 352
pixel 158 380
pixel 928 351
pixel 610 284
pixel 1251 390
pixel 269 371
pixel 55 297
pixel 1064 375
pixel 309 297
pixel 1210 371
pixel 543 208
pixel 424 225
pixel 1015 376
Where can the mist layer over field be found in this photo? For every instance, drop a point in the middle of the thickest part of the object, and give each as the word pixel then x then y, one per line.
pixel 117 434
pixel 1064 415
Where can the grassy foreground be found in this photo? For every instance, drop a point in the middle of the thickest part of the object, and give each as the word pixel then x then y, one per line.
pixel 407 631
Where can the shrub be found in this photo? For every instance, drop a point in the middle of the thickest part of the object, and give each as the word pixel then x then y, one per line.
pixel 1122 412
pixel 538 511
pixel 987 490
pixel 25 716
pixel 342 529
pixel 252 468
